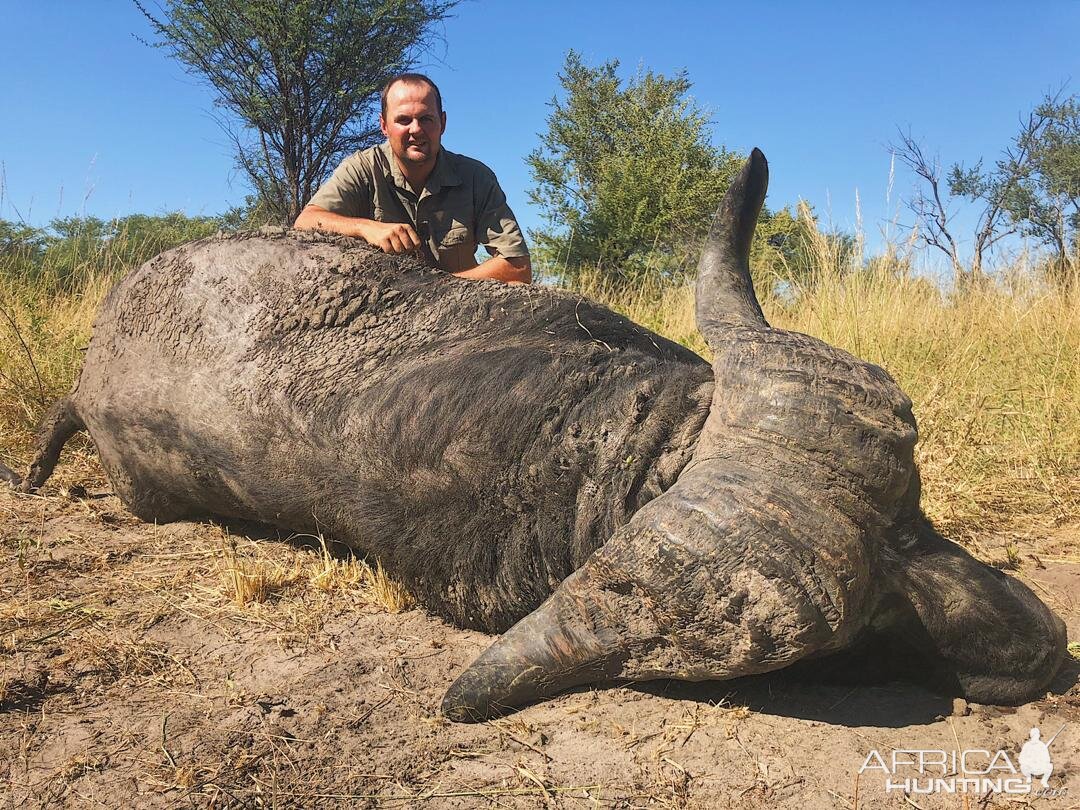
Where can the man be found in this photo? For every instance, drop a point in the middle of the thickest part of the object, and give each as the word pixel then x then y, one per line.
pixel 410 194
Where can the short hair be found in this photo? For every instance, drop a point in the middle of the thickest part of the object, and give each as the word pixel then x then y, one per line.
pixel 409 78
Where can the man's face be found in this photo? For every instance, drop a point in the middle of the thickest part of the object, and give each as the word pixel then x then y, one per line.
pixel 413 124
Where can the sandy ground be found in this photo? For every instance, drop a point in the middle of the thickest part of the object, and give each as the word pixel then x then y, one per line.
pixel 132 675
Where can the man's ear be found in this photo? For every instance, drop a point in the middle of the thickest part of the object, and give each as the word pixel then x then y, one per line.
pixel 382 125
pixel 443 116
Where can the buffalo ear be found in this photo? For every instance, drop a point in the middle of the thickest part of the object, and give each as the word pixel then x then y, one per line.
pixel 725 294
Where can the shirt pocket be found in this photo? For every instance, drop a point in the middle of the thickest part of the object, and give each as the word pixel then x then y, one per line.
pixel 457 235
pixel 455 249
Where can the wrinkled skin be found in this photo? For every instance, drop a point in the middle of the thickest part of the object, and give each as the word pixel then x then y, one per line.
pixel 533 464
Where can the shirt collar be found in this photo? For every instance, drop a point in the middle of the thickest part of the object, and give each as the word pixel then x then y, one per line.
pixel 442 176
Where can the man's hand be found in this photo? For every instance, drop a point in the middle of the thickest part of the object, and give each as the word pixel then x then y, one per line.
pixel 395 237
pixel 390 237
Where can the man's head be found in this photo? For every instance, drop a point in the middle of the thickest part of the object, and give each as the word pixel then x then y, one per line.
pixel 413 120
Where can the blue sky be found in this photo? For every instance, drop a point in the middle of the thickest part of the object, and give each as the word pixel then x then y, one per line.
pixel 95 122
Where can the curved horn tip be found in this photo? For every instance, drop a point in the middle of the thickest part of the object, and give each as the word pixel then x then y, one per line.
pixel 757 167
pixel 483 692
pixel 466 701
pixel 547 652
pixel 725 292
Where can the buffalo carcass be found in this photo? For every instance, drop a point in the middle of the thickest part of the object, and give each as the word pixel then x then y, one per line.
pixel 532 464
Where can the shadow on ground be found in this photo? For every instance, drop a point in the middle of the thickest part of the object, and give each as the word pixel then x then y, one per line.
pixel 866 687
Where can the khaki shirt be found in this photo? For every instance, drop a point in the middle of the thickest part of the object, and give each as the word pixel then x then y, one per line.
pixel 460 206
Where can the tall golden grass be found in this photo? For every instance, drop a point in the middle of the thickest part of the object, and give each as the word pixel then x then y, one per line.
pixel 993 369
pixel 49 294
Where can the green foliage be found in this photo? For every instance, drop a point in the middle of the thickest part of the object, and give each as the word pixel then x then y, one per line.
pixel 62 257
pixel 790 248
pixel 625 176
pixel 19 239
pixel 1048 199
pixel 1033 189
pixel 251 215
pixel 628 181
pixel 298 80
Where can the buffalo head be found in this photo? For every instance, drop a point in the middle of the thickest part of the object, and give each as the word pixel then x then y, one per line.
pixel 794 531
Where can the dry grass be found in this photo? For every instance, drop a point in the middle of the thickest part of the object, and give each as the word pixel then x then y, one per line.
pixel 995 378
pixel 249 575
pixel 42 338
pixel 100 610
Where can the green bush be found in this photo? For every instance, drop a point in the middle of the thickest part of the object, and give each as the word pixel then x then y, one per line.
pixel 63 256
pixel 628 181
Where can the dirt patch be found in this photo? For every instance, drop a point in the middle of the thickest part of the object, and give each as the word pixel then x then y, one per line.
pixel 139 669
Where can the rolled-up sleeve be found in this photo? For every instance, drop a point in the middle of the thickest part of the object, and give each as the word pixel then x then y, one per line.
pixel 348 191
pixel 496 227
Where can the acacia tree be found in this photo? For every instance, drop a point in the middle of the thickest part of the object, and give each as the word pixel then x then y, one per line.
pixel 1033 188
pixel 1048 202
pixel 297 80
pixel 994 190
pixel 625 176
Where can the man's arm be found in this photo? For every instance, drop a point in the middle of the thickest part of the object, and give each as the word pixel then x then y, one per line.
pixel 499 233
pixel 390 237
pixel 514 270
